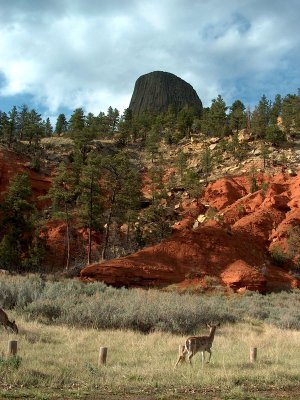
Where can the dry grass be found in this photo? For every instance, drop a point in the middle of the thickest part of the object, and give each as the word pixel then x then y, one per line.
pixel 65 359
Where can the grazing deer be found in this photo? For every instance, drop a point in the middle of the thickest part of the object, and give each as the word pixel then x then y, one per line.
pixel 6 322
pixel 194 344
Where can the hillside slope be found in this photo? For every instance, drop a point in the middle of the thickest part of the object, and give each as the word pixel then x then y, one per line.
pixel 233 246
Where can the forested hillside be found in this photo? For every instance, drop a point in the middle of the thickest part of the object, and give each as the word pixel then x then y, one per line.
pixel 99 187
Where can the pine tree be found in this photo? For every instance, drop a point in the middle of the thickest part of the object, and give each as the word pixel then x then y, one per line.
pixel 113 118
pixel 206 162
pixel 237 116
pixel 291 114
pixel 17 222
pixel 152 144
pixel 90 200
pixel 61 125
pixel 48 128
pixel 261 118
pixel 12 127
pixel 275 110
pixel 77 122
pixel 63 194
pixel 121 183
pixel 23 122
pixel 218 117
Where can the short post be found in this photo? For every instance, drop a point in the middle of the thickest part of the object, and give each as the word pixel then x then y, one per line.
pixel 253 354
pixel 12 347
pixel 102 356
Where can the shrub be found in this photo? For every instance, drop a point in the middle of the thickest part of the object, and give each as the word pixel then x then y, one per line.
pixel 278 256
pixel 96 305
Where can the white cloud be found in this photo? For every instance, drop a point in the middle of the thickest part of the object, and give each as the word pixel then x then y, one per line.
pixel 75 53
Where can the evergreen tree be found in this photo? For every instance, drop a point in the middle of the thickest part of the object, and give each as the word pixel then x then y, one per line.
pixel 77 122
pixel 4 127
pixel 275 110
pixel 191 184
pixel 113 118
pixel 61 125
pixel 152 144
pixel 81 132
pixel 206 162
pixel 48 128
pixel 63 194
pixel 275 135
pixel 181 164
pixel 237 116
pixel 35 129
pixel 185 119
pixel 291 114
pixel 126 128
pixel 89 202
pixel 12 127
pixel 217 117
pixel 265 154
pixel 23 122
pixel 261 117
pixel 121 183
pixel 17 222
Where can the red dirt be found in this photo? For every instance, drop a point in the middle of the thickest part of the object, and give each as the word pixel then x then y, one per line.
pixel 232 247
pixel 11 164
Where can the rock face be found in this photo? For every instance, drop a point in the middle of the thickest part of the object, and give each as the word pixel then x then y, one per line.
pixel 232 248
pixel 158 90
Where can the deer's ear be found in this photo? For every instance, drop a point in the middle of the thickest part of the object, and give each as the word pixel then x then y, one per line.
pixel 13 322
pixel 208 325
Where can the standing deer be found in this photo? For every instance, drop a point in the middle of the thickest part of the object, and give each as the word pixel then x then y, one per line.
pixel 194 344
pixel 6 322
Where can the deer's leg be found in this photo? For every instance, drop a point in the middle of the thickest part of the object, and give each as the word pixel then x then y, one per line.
pixel 190 355
pixel 209 351
pixel 181 357
pixel 203 357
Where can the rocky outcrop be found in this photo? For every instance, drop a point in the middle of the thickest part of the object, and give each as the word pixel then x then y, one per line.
pixel 232 246
pixel 12 164
pixel 158 90
pixel 240 275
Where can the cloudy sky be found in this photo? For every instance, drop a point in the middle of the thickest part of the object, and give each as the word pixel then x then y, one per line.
pixel 57 55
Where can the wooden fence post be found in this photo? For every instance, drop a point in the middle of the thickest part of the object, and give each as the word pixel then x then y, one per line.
pixel 12 347
pixel 253 354
pixel 102 356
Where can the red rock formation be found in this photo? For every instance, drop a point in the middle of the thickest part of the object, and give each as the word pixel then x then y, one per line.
pixel 240 275
pixel 11 164
pixel 234 248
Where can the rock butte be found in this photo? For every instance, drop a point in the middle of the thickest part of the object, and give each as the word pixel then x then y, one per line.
pixel 158 90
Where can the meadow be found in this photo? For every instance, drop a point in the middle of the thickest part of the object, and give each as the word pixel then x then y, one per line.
pixel 58 357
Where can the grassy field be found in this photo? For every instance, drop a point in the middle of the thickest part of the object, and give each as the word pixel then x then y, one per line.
pixel 61 362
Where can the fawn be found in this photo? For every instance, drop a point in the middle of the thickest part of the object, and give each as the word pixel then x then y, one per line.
pixel 194 344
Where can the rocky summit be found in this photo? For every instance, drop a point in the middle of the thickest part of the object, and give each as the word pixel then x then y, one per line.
pixel 158 90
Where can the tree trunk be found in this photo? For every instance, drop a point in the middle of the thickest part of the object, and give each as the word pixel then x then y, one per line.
pixel 106 235
pixel 89 251
pixel 67 237
pixel 108 226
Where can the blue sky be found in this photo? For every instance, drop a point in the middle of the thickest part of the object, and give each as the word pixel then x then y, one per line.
pixel 57 55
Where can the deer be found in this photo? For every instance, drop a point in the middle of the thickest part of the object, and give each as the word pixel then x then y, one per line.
pixel 194 344
pixel 6 322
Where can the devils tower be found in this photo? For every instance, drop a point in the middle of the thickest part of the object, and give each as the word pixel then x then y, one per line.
pixel 158 90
